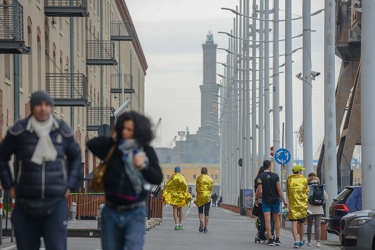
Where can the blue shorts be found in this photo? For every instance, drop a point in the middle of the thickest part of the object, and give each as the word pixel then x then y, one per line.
pixel 274 208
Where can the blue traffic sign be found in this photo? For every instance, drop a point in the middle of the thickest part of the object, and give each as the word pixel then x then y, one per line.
pixel 282 156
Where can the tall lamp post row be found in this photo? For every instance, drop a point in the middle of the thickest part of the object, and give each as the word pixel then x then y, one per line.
pixel 235 98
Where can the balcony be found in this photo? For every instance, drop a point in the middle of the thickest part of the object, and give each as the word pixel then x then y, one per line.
pixel 67 89
pixel 122 31
pixel 11 29
pixel 66 8
pixel 117 81
pixel 98 116
pixel 100 53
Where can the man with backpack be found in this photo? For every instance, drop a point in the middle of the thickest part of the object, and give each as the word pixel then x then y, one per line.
pixel 297 192
pixel 317 197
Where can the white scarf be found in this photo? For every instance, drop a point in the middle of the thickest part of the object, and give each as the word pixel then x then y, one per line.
pixel 45 150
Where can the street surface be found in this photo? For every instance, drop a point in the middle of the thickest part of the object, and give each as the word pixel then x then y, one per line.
pixel 227 230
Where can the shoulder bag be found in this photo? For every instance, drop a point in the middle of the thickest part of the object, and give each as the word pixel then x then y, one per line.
pixel 97 182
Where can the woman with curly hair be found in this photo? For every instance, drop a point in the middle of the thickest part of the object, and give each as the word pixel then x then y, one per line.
pixel 132 167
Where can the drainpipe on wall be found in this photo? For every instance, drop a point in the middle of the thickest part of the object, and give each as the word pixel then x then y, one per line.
pixel 16 64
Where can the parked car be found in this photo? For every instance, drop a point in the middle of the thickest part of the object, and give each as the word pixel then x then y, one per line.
pixel 347 201
pixel 358 230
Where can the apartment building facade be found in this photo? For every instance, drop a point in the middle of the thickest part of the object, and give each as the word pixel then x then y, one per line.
pixel 85 53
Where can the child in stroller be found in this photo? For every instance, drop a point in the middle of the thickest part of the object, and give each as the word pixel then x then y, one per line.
pixel 260 236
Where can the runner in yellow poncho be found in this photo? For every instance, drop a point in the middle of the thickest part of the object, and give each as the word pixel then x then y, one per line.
pixel 176 194
pixel 297 192
pixel 204 189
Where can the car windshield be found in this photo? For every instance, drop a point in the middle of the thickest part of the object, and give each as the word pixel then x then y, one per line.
pixel 344 194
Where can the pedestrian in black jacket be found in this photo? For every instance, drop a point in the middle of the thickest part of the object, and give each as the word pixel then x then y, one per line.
pixel 46 166
pixel 131 169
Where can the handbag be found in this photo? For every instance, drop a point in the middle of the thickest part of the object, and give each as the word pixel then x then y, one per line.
pixel 39 208
pixel 97 182
pixel 257 210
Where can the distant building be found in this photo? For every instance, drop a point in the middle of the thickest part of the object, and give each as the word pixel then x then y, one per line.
pixel 203 148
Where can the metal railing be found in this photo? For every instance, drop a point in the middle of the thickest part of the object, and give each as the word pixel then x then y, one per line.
pixel 122 31
pixel 100 52
pixel 11 21
pixel 66 8
pixel 67 89
pixel 118 79
pixel 97 114
pixel 66 3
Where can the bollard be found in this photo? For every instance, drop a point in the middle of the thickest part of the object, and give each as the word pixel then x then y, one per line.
pixel 73 211
pixel 100 209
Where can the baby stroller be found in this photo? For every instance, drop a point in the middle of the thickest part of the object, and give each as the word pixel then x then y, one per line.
pixel 260 225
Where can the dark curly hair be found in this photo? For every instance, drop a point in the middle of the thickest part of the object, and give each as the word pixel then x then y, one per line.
pixel 142 127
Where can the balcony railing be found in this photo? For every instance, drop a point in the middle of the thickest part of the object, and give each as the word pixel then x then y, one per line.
pixel 122 31
pixel 97 116
pixel 66 8
pixel 67 89
pixel 117 81
pixel 11 29
pixel 100 53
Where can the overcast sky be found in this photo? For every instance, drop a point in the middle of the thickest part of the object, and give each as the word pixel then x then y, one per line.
pixel 172 32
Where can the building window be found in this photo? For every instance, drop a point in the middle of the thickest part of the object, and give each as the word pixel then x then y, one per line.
pixel 194 176
pixel 215 176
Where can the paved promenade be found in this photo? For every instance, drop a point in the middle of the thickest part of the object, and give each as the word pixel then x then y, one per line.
pixel 227 231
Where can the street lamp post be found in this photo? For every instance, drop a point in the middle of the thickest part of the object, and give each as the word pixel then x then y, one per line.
pixel 261 90
pixel 253 99
pixel 288 84
pixel 276 115
pixel 307 89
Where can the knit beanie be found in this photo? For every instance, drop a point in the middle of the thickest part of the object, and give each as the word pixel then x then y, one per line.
pixel 40 96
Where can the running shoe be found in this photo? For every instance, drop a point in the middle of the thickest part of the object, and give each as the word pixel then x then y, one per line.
pixel 296 244
pixel 301 244
pixel 270 242
pixel 180 227
pixel 176 227
pixel 201 227
pixel 277 242
pixel 205 230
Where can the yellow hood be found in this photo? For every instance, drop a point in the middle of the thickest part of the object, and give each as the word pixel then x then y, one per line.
pixel 176 191
pixel 297 192
pixel 204 189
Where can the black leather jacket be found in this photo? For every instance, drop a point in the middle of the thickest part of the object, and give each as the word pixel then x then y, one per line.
pixel 31 180
pixel 115 179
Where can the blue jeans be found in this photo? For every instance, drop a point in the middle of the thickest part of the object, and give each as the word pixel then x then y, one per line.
pixel 52 228
pixel 123 230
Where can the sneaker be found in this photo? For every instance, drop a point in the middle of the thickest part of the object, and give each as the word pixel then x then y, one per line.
pixel 176 227
pixel 301 244
pixel 270 242
pixel 296 244
pixel 180 227
pixel 277 242
pixel 205 230
pixel 308 244
pixel 318 244
pixel 201 227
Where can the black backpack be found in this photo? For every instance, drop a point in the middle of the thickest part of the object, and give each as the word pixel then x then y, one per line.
pixel 316 196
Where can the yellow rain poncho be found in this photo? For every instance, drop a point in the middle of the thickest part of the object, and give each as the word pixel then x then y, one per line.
pixel 176 191
pixel 297 192
pixel 204 189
